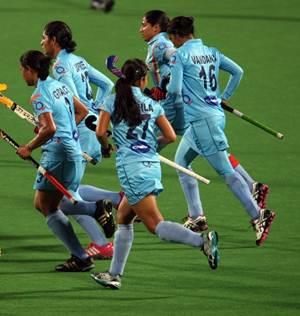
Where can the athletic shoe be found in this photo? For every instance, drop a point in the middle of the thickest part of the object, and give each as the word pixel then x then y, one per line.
pixel 107 280
pixel 102 5
pixel 104 217
pixel 100 252
pixel 196 225
pixel 74 264
pixel 259 193
pixel 262 225
pixel 210 249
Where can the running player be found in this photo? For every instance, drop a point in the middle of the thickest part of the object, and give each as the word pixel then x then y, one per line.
pixel 58 112
pixel 194 76
pixel 77 74
pixel 135 117
pixel 160 49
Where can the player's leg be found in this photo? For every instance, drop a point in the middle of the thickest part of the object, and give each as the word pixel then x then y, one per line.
pixel 47 202
pixel 91 193
pixel 214 148
pixel 123 240
pixel 184 156
pixel 259 190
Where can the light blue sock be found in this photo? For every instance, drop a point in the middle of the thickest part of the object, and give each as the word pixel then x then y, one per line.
pixel 91 193
pixel 190 189
pixel 80 208
pixel 239 168
pixel 60 225
pixel 91 227
pixel 175 232
pixel 239 187
pixel 122 245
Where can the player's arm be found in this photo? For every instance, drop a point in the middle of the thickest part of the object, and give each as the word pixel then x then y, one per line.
pixel 175 84
pixel 47 129
pixel 168 133
pixel 81 111
pixel 104 84
pixel 101 133
pixel 236 74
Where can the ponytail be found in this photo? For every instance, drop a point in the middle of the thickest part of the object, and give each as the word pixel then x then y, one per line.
pixel 126 107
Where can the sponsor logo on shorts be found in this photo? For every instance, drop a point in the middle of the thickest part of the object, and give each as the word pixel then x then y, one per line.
pixel 140 147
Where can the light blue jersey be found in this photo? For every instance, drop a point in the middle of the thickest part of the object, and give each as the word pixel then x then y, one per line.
pixel 78 74
pixel 160 50
pixel 136 143
pixel 51 96
pixel 137 160
pixel 194 76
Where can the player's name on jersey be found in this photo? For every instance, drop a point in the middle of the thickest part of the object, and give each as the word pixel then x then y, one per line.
pixel 146 107
pixel 203 59
pixel 60 92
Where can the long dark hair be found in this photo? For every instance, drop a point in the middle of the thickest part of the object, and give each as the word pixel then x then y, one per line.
pixel 126 107
pixel 158 17
pixel 63 34
pixel 37 61
pixel 181 25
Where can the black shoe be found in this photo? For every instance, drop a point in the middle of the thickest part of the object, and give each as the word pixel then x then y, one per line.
pixel 104 217
pixel 74 264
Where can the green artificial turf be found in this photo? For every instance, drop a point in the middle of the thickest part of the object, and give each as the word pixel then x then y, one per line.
pixel 162 278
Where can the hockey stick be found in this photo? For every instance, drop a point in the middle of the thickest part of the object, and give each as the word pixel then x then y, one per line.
pixel 182 169
pixel 110 64
pixel 40 169
pixel 251 121
pixel 22 113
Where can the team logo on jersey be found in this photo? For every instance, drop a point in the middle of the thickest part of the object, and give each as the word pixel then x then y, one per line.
pixel 39 106
pixel 140 147
pixel 173 59
pixel 211 100
pixel 187 99
pixel 162 46
pixel 60 70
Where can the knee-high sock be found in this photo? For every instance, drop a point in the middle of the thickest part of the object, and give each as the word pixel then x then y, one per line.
pixel 60 225
pixel 175 232
pixel 91 227
pixel 190 189
pixel 239 187
pixel 122 245
pixel 80 208
pixel 91 193
pixel 240 169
